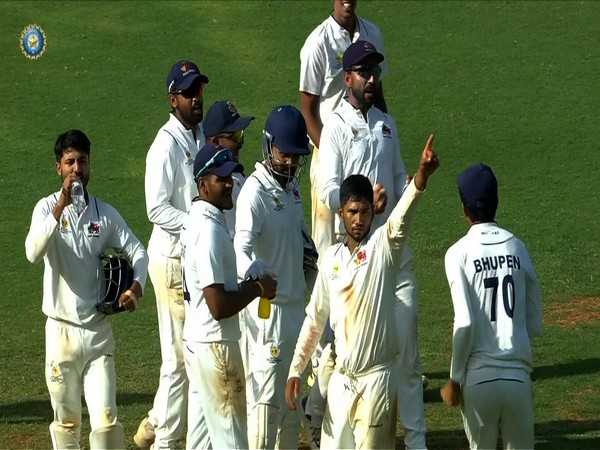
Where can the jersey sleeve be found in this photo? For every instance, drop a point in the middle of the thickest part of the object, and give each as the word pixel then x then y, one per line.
pixel 393 234
pixel 122 238
pixel 462 329
pixel 41 231
pixel 317 313
pixel 249 217
pixel 331 168
pixel 208 260
pixel 312 67
pixel 159 179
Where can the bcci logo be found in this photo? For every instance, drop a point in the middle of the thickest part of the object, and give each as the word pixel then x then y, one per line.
pixel 32 41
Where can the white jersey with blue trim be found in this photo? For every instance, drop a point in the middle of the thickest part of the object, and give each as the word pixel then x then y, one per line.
pixel 496 299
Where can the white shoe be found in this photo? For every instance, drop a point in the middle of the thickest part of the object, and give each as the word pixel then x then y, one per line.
pixel 144 437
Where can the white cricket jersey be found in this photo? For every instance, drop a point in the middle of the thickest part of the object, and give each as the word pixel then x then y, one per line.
pixel 356 292
pixel 71 248
pixel 321 71
pixel 496 301
pixel 269 226
pixel 170 185
pixel 352 145
pixel 207 258
pixel 238 182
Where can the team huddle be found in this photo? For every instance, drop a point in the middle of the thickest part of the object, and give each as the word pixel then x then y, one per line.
pixel 232 262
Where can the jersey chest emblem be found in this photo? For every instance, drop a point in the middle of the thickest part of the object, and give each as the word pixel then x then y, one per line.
pixel 360 258
pixel 278 205
pixel 64 225
pixel 93 229
pixel 335 271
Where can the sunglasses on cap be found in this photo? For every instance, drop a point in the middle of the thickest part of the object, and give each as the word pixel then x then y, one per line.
pixel 218 159
pixel 366 72
pixel 193 91
pixel 237 136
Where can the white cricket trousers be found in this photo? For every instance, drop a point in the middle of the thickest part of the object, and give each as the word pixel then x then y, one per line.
pixel 270 344
pixel 217 392
pixel 81 359
pixel 361 410
pixel 410 384
pixel 168 413
pixel 499 405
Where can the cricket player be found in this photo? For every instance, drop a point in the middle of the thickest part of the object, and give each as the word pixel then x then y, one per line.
pixel 79 343
pixel 169 189
pixel 322 89
pixel 361 139
pixel 270 227
pixel 497 313
pixel 355 290
pixel 213 299
pixel 224 126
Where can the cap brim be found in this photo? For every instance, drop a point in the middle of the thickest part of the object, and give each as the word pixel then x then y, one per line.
pixel 188 81
pixel 241 123
pixel 226 169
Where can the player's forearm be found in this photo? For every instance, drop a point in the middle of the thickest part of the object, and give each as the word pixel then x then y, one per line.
pixel 403 213
pixel 139 262
pixel 244 247
pixel 226 304
pixel 41 231
pixel 309 105
pixel 305 346
pixel 461 349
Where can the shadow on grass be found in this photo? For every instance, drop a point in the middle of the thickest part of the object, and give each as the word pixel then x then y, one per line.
pixel 553 435
pixel 579 367
pixel 40 411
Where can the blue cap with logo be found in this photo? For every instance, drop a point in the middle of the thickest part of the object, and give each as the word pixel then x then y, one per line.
pixel 358 52
pixel 478 187
pixel 223 117
pixel 215 159
pixel 182 75
pixel 286 129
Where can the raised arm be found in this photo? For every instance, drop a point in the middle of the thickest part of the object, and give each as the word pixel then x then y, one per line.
pixel 402 214
pixel 42 229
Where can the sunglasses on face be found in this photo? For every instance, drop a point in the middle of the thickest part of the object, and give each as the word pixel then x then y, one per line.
pixel 219 158
pixel 191 92
pixel 237 137
pixel 367 72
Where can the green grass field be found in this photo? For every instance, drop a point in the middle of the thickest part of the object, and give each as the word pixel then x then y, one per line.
pixel 513 84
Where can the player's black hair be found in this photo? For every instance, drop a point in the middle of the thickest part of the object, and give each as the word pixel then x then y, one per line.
pixel 72 138
pixel 480 212
pixel 356 187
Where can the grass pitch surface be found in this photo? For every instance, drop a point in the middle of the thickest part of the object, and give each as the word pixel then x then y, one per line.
pixel 513 84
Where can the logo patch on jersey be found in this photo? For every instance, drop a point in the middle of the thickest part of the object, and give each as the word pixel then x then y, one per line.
pixel 64 225
pixel 296 194
pixel 94 229
pixel 335 271
pixel 387 131
pixel 190 160
pixel 361 257
pixel 275 352
pixel 339 57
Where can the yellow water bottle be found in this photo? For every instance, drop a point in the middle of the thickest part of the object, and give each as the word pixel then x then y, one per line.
pixel 264 308
pixel 264 304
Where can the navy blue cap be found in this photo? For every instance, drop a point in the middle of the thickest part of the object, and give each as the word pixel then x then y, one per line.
pixel 215 159
pixel 358 52
pixel 182 75
pixel 478 187
pixel 223 117
pixel 286 129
